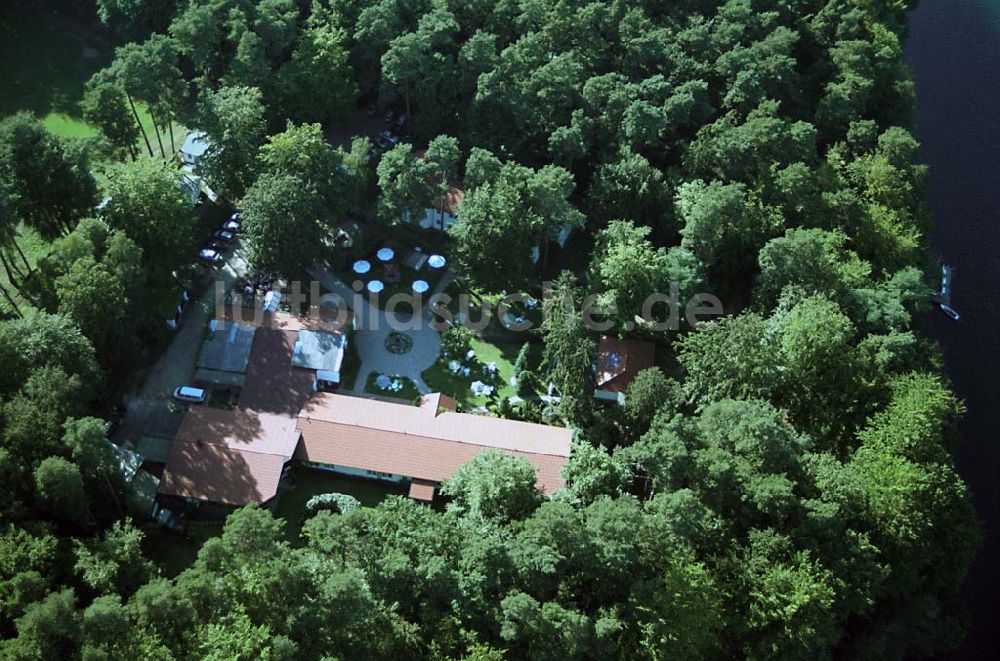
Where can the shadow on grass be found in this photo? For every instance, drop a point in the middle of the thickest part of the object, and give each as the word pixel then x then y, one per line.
pixel 408 393
pixel 172 552
pixel 45 59
pixel 291 505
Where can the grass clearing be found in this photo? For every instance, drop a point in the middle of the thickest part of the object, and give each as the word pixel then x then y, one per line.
pixel 441 379
pixel 34 248
pixel 45 59
pixel 66 126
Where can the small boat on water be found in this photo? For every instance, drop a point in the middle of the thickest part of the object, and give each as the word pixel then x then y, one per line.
pixel 946 273
pixel 951 312
pixel 943 296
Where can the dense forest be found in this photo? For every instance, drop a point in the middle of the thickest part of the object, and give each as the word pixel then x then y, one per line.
pixel 785 490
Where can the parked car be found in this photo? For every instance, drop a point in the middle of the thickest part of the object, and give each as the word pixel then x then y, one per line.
pixel 381 141
pixel 236 215
pixel 389 114
pixel 233 226
pixel 168 519
pixel 210 254
pixel 223 235
pixel 190 394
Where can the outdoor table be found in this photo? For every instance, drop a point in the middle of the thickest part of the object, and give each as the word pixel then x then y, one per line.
pixel 362 266
pixel 436 261
pixel 385 254
pixel 481 389
pixel 375 286
pixel 420 286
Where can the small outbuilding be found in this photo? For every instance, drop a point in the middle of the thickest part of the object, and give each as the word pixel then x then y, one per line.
pixel 318 350
pixel 618 363
pixel 195 145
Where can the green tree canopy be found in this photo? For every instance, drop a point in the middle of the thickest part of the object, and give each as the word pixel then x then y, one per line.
pixel 234 119
pixel 494 486
pixel 284 219
pixel 52 180
pixel 149 204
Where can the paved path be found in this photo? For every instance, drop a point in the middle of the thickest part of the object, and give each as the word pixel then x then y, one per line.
pixel 176 366
pixel 373 327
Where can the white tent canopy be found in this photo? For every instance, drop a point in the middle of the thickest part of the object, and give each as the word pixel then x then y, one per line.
pixel 272 300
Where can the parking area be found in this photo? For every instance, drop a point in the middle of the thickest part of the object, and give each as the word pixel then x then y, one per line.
pixel 378 127
pixel 177 364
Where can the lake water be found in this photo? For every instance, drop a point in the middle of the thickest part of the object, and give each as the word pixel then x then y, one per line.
pixel 954 52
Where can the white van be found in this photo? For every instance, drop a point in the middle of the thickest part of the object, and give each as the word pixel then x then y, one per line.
pixel 189 394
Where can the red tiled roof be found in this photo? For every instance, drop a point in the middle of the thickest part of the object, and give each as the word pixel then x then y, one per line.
pixel 618 361
pixel 439 402
pixel 240 429
pixel 450 200
pixel 420 442
pixel 229 457
pixel 272 385
pixel 219 474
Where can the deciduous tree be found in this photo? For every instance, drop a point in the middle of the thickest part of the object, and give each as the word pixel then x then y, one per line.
pixel 494 486
pixel 284 220
pixel 53 184
pixel 234 119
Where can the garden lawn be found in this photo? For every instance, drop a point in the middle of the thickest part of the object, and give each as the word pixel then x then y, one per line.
pixel 34 248
pixel 440 379
pixel 45 59
pixel 291 505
